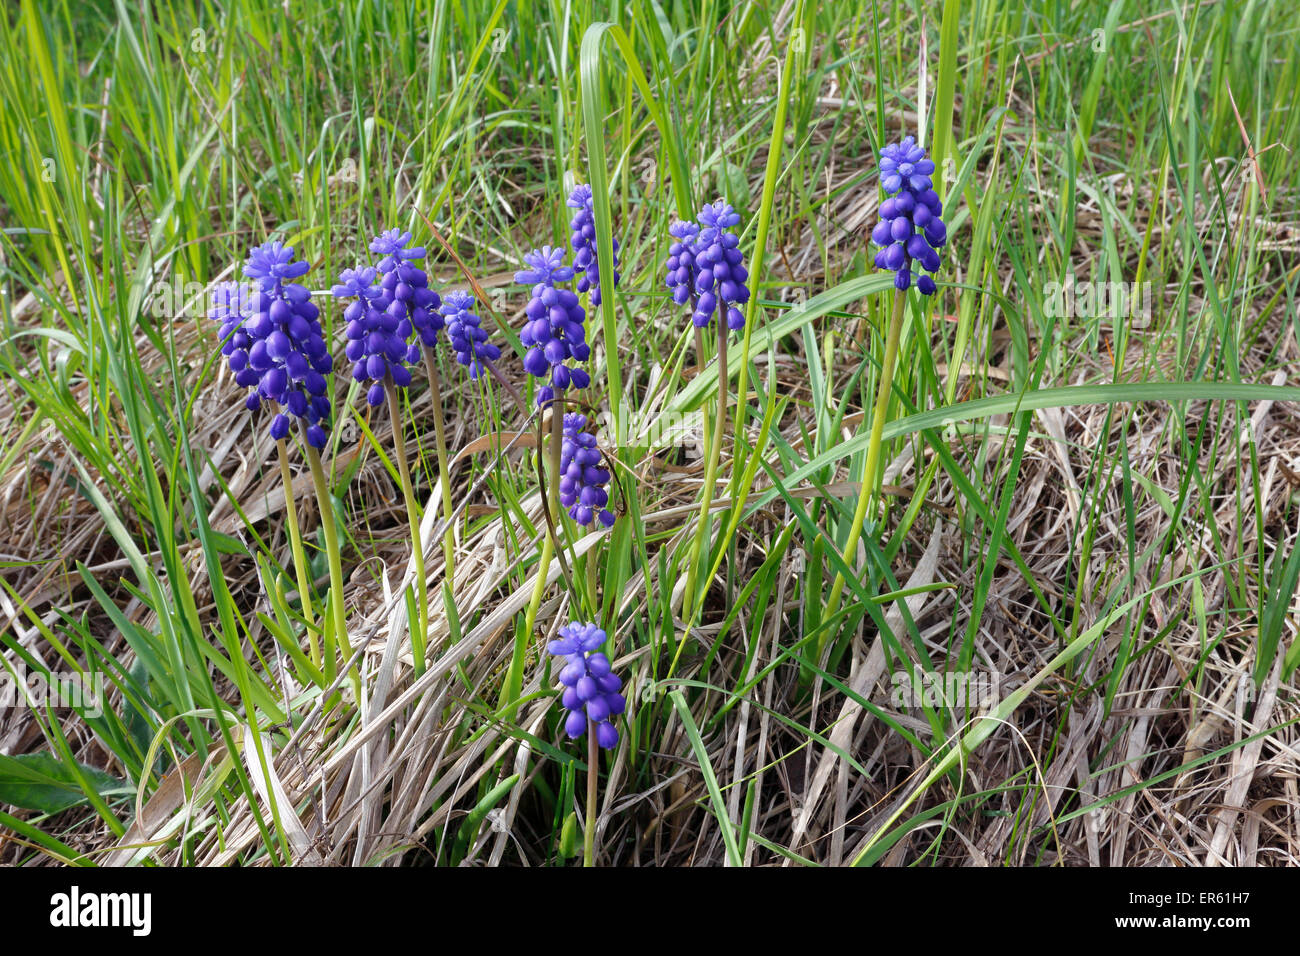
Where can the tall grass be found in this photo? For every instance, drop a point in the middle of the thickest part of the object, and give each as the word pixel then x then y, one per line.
pixel 146 149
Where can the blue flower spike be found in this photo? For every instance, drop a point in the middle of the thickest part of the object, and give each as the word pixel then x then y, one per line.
pixel 390 303
pixel 582 479
pixel 911 228
pixel 720 273
pixel 465 333
pixel 273 341
pixel 555 331
pixel 681 267
pixel 408 285
pixel 591 691
pixel 582 229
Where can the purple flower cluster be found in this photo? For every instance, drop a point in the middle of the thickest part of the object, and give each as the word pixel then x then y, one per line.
pixel 468 339
pixel 681 266
pixel 583 239
pixel 705 264
pixel 386 312
pixel 721 274
pixel 555 333
pixel 408 286
pixel 591 689
pixel 273 341
pixel 582 479
pixel 910 228
pixel 375 332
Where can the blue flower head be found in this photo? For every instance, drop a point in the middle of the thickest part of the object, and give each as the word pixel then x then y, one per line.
pixel 390 303
pixel 911 228
pixel 271 264
pixel 591 689
pixel 274 343
pixel 720 273
pixel 406 289
pixel 680 266
pixel 582 228
pixel 555 332
pixel 582 479
pixel 468 339
pixel 546 265
pixel 392 247
pixel 376 339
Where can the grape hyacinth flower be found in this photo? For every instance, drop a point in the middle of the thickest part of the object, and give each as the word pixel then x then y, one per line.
pixel 583 239
pixel 591 689
pixel 273 342
pixel 279 347
pixel 720 275
pixel 408 286
pixel 712 261
pixel 377 330
pixel 582 479
pixel 911 228
pixel 681 267
pixel 555 332
pixel 230 308
pixel 464 331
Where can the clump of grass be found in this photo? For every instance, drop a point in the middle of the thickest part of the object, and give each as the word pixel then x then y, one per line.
pixel 1092 506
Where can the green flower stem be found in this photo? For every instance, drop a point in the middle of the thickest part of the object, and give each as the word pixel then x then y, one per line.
pixel 299 555
pixel 869 474
pixel 515 679
pixel 589 825
pixel 444 472
pixel 699 361
pixel 705 526
pixel 420 627
pixel 592 566
pixel 330 533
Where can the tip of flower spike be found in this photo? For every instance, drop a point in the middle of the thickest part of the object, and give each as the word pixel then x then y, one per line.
pixel 682 229
pixel 580 198
pixel 457 300
pixel 719 215
pixel 272 263
pixel 546 266
pixel 356 282
pixel 392 246
pixel 905 164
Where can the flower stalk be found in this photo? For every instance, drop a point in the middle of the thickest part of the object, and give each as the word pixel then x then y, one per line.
pixel 704 526
pixel 300 565
pixel 514 680
pixel 444 471
pixel 420 627
pixel 870 474
pixel 336 640
pixel 589 823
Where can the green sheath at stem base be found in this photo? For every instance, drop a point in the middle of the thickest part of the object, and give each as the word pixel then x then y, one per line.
pixel 870 475
pixel 514 680
pixel 330 533
pixel 299 555
pixel 419 628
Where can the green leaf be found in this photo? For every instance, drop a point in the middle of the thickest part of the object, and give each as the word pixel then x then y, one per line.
pixel 41 781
